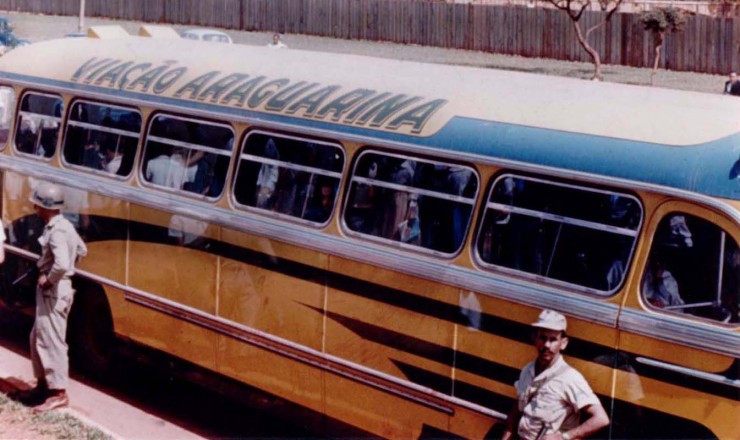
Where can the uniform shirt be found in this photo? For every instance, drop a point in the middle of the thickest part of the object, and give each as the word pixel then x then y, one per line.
pixel 60 248
pixel 554 398
pixel 169 171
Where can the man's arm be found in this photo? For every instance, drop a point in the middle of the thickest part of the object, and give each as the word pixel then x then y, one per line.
pixel 596 420
pixel 512 422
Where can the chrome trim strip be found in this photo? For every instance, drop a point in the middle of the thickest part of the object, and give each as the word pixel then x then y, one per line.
pixel 678 330
pixel 41 116
pixel 188 145
pixel 89 126
pixel 718 378
pixel 402 388
pixel 290 165
pixel 414 190
pixel 561 219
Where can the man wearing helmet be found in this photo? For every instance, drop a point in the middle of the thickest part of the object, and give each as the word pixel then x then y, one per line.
pixel 61 247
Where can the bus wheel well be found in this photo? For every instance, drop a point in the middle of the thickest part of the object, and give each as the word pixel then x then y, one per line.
pixel 90 332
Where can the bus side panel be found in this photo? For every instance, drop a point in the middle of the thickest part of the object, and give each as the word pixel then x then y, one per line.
pixel 277 289
pixel 272 287
pixel 272 372
pixel 160 267
pixel 660 403
pixel 397 325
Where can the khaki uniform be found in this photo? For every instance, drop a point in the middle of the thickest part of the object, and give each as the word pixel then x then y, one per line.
pixel 61 246
pixel 553 398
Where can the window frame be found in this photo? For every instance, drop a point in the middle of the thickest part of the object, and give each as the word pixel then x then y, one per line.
pixel 11 113
pixel 141 171
pixel 711 217
pixel 241 157
pixel 70 123
pixel 556 181
pixel 473 201
pixel 19 113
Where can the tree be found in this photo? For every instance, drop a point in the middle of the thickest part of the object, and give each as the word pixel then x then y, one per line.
pixel 575 10
pixel 659 21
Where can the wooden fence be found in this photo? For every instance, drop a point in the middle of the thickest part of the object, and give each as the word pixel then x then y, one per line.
pixel 708 44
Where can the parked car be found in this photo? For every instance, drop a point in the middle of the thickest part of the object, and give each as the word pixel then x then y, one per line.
pixel 7 39
pixel 206 35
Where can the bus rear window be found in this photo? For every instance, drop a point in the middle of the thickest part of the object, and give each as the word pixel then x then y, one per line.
pixel 289 176
pixel 566 233
pixel 102 138
pixel 187 155
pixel 38 124
pixel 411 201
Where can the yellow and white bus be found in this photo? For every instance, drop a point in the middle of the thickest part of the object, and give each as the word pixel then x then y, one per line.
pixel 370 239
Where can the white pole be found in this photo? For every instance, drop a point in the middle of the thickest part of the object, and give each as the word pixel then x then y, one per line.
pixel 81 26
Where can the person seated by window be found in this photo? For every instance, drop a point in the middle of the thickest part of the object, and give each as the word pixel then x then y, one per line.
pixel 267 177
pixel 409 230
pixel 170 171
pixel 321 210
pixel 112 159
pixel 91 155
pixel 659 287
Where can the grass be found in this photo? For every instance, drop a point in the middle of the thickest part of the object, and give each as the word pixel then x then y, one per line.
pixel 18 421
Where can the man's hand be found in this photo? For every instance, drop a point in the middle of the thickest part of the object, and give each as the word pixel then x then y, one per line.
pixel 44 282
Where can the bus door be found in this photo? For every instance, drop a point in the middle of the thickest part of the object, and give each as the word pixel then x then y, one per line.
pixel 679 336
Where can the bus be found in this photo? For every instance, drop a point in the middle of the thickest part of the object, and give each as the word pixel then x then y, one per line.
pixel 370 239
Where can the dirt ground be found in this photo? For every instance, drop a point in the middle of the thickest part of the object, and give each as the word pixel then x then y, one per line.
pixel 40 27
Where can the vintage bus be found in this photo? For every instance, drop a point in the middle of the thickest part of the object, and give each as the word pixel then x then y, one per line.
pixel 371 239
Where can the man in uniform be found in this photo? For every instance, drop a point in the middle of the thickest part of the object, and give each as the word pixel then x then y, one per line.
pixel 61 247
pixel 551 395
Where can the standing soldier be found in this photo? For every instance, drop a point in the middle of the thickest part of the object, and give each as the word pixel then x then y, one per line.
pixel 61 247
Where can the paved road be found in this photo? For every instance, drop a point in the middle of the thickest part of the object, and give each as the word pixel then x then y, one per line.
pixel 147 402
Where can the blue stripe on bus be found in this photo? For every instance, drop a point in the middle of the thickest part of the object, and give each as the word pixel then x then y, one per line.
pixel 711 168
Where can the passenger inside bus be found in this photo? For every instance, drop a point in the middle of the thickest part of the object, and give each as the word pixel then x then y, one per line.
pixel 659 286
pixel 267 177
pixel 693 268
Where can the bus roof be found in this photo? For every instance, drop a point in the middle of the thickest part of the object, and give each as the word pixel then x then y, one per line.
pixel 548 120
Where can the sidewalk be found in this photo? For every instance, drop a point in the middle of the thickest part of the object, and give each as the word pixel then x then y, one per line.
pixel 112 416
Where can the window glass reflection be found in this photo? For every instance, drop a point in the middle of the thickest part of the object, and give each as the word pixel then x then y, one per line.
pixel 187 155
pixel 102 138
pixel 289 176
pixel 693 269
pixel 38 124
pixel 415 201
pixel 563 232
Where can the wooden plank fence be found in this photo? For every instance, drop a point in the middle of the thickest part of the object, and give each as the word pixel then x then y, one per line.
pixel 708 44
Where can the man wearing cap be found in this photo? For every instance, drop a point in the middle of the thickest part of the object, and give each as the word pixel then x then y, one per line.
pixel 61 247
pixel 551 395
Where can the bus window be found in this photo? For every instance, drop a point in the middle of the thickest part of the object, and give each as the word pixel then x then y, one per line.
pixel 693 269
pixel 289 176
pixel 38 123
pixel 565 233
pixel 188 155
pixel 7 107
pixel 417 202
pixel 102 137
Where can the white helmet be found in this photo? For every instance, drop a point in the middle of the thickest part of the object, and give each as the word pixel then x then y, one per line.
pixel 48 195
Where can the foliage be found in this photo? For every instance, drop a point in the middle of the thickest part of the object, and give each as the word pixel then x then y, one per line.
pixel 662 20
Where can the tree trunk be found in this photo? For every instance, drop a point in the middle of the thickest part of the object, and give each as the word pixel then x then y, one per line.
pixel 658 44
pixel 583 41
